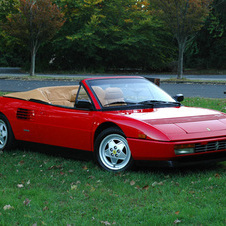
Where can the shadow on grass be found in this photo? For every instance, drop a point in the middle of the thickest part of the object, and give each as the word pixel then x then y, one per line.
pixel 87 156
pixel 55 151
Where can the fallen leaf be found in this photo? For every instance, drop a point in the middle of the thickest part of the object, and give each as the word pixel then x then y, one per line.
pixel 26 202
pixel 61 173
pixel 92 189
pixel 74 187
pixel 161 183
pixel 85 167
pixel 177 221
pixel 146 187
pixel 28 182
pixel 217 175
pixel 20 185
pixel 78 182
pixel 177 212
pixel 154 184
pixel 21 162
pixel 70 171
pixel 8 207
pixel 105 222
pixel 132 182
pixel 55 167
pixel 45 208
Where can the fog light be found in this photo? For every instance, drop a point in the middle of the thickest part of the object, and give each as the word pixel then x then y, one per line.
pixel 183 149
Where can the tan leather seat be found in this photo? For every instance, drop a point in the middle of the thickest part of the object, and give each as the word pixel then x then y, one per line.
pixel 113 94
pixel 100 94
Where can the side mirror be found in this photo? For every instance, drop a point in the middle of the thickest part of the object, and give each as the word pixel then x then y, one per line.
pixel 179 97
pixel 84 104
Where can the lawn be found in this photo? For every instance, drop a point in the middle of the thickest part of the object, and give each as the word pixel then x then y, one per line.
pixel 37 188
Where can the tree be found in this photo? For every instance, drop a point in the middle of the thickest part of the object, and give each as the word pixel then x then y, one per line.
pixel 184 18
pixel 110 34
pixel 35 22
pixel 209 46
pixel 9 48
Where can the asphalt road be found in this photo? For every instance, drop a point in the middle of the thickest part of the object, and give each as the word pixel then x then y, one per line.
pixel 189 90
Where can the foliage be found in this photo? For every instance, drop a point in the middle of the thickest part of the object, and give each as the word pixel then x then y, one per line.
pixel 208 48
pixel 183 18
pixel 10 52
pixel 111 34
pixel 34 23
pixel 103 35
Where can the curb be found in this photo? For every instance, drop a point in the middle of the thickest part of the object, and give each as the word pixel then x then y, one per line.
pixel 165 81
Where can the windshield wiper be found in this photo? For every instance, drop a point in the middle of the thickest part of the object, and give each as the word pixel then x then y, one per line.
pixel 155 102
pixel 119 102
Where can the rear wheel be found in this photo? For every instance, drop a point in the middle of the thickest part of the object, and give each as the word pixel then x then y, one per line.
pixel 6 134
pixel 112 150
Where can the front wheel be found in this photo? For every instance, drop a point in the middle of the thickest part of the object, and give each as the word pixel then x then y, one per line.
pixel 112 150
pixel 6 135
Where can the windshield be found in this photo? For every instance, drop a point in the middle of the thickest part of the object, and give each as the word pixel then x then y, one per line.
pixel 128 91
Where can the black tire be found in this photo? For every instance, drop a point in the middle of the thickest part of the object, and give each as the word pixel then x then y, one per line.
pixel 112 151
pixel 7 139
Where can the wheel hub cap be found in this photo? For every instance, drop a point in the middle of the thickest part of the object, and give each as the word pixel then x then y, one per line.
pixel 114 152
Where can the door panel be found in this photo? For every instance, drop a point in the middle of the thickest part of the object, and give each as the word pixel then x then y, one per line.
pixel 66 127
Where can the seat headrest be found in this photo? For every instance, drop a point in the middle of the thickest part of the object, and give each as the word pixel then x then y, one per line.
pixel 73 95
pixel 113 93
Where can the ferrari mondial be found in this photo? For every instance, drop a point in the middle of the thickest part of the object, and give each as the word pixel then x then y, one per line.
pixel 120 119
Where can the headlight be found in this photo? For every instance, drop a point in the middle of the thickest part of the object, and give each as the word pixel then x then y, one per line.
pixel 183 149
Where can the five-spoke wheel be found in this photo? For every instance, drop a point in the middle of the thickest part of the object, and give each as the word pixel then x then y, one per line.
pixel 6 134
pixel 112 150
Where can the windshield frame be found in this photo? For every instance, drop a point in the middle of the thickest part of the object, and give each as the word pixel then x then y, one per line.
pixel 168 102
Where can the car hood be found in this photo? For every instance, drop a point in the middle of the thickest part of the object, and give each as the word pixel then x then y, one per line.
pixel 183 122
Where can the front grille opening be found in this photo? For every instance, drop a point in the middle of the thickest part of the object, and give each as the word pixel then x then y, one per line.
pixel 211 146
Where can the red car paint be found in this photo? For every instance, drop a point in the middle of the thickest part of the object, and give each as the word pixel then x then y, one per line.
pixel 162 128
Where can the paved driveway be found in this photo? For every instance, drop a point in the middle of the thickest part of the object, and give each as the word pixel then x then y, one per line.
pixel 189 90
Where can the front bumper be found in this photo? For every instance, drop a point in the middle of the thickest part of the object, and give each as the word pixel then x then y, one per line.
pixel 208 150
pixel 186 161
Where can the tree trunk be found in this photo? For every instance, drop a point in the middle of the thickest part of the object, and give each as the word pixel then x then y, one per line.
pixel 181 47
pixel 33 56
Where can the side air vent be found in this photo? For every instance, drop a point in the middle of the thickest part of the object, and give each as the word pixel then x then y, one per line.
pixel 25 114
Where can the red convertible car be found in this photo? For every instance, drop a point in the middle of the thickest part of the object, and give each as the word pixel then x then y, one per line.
pixel 120 119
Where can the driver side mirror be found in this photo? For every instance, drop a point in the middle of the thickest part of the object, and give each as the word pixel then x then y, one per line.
pixel 179 97
pixel 84 104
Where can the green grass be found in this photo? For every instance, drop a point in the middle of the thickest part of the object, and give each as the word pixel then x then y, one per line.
pixel 42 78
pixel 43 189
pixel 187 80
pixel 50 190
pixel 211 103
